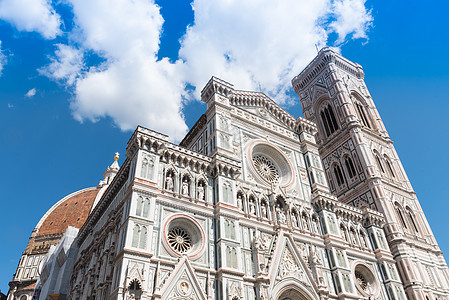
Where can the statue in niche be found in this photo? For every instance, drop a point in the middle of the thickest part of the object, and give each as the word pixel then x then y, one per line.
pixel 294 221
pixel 239 202
pixel 264 210
pixel 169 182
pixel 200 191
pixel 281 214
pixel 305 222
pixel 252 207
pixel 185 187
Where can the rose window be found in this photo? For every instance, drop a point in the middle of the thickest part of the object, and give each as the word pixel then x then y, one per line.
pixel 266 168
pixel 179 240
pixel 361 280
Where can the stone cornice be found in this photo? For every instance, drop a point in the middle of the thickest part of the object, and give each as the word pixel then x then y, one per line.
pixel 325 57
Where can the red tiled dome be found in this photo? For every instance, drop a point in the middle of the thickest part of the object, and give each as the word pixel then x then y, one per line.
pixel 72 210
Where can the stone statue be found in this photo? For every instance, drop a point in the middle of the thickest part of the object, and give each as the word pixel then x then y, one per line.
pixel 239 202
pixel 252 207
pixel 200 192
pixel 185 188
pixel 294 221
pixel 281 215
pixel 169 183
pixel 264 211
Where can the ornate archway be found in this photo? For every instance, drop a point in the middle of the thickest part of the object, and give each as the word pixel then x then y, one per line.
pixel 291 294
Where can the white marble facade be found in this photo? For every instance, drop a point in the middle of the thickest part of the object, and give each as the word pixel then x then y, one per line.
pixel 255 204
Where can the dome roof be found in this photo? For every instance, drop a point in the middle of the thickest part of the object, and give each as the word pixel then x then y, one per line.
pixel 72 210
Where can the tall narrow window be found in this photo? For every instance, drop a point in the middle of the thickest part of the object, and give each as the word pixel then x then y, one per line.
pixel 338 175
pixel 139 206
pixel 389 167
pixel 401 217
pixel 412 219
pixel 362 115
pixel 325 124
pixel 350 167
pixel 379 163
pixel 135 241
pixel 143 238
pixel 329 121
pixel 146 205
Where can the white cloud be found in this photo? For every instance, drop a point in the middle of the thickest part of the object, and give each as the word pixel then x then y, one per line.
pixel 10 105
pixel 351 17
pixel 2 59
pixel 31 93
pixel 251 44
pixel 31 15
pixel 66 65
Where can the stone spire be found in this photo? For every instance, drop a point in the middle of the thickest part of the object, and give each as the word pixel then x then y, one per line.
pixel 110 172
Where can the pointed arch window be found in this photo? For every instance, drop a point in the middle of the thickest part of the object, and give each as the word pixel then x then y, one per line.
pixel 412 219
pixel 328 119
pixel 401 217
pixel 389 167
pixel 350 167
pixel 379 163
pixel 339 175
pixel 362 115
pixel 139 236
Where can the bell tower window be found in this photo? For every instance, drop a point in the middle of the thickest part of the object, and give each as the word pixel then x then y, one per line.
pixel 350 167
pixel 339 175
pixel 362 115
pixel 328 119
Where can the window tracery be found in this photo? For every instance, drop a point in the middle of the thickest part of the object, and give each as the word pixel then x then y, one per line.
pixel 328 120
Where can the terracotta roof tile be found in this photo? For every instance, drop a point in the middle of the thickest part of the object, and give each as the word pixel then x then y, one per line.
pixel 72 212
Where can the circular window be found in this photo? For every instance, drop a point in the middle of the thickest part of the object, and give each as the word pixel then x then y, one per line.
pixel 366 283
pixel 269 164
pixel 183 235
pixel 266 168
pixel 179 240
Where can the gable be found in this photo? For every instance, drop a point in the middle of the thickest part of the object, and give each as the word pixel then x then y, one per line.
pixel 261 106
pixel 182 283
pixel 289 267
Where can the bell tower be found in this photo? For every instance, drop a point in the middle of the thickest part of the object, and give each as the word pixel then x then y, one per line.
pixel 364 170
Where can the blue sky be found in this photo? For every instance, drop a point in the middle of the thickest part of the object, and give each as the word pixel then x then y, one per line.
pixel 77 77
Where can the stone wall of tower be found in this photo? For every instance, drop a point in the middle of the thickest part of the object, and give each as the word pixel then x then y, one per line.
pixel 330 85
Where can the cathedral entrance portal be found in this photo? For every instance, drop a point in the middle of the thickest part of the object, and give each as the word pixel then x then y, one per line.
pixel 291 294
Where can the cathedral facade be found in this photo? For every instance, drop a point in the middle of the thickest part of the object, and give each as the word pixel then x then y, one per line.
pixel 255 204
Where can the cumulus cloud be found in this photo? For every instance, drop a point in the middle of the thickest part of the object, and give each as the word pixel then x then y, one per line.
pixel 31 15
pixel 248 43
pixel 351 17
pixel 66 65
pixel 31 93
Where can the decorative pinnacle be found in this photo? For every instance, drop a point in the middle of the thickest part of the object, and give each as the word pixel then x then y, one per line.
pixel 117 156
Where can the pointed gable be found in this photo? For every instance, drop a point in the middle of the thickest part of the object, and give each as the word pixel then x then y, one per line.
pixel 288 266
pixel 262 106
pixel 183 283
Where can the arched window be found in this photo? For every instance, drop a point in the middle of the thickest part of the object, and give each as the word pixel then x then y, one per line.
pixel 139 206
pixel 400 216
pixel 135 241
pixel 379 164
pixel 146 205
pixel 389 167
pixel 143 238
pixel 362 115
pixel 339 175
pixel 411 216
pixel 350 167
pixel 139 236
pixel 228 256
pixel 328 119
pixel 234 258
